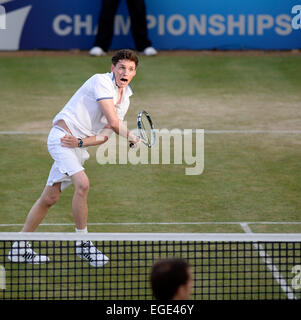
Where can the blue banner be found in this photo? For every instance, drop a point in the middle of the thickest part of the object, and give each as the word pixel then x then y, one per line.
pixel 172 24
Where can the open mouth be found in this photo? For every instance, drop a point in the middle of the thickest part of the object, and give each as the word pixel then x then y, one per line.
pixel 124 80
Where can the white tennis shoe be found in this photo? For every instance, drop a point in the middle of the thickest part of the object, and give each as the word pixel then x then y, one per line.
pixel 22 252
pixel 87 251
pixel 97 52
pixel 149 51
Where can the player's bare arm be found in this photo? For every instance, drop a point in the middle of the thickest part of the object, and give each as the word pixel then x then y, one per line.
pixel 70 141
pixel 114 125
pixel 117 125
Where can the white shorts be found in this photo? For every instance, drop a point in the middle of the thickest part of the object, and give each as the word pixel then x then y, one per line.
pixel 67 161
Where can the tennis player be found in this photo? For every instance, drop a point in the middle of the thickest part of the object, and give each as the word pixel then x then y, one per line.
pixel 93 113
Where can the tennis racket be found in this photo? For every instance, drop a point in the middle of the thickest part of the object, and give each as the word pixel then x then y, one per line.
pixel 146 131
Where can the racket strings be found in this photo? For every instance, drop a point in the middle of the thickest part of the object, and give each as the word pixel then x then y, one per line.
pixel 146 130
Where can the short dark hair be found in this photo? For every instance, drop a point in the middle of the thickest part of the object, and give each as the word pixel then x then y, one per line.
pixel 125 54
pixel 166 277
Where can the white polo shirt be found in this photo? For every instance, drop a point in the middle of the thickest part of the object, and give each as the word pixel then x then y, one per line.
pixel 82 112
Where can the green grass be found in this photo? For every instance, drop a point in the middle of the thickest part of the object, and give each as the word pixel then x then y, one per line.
pixel 247 177
pixel 239 183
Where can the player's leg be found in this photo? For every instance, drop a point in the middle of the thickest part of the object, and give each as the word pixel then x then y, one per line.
pixel 21 251
pixel 48 198
pixel 80 199
pixel 84 249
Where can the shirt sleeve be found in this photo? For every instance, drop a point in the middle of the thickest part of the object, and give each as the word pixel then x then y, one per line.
pixel 102 88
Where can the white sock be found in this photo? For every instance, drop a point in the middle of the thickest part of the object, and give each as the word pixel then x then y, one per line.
pixel 82 230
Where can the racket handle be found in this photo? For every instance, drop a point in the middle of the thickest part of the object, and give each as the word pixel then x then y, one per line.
pixel 132 144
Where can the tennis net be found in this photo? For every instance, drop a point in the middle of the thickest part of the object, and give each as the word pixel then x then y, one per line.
pixel 225 266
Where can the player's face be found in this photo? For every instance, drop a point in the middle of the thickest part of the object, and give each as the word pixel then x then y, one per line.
pixel 124 71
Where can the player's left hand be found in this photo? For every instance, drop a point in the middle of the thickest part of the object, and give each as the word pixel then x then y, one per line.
pixel 69 141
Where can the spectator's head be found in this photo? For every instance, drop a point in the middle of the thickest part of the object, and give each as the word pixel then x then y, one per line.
pixel 171 279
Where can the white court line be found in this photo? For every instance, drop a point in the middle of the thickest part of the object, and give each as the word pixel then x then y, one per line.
pixel 162 223
pixel 205 131
pixel 269 263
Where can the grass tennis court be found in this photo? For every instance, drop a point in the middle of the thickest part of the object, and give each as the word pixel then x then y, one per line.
pixel 249 106
pixel 247 176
